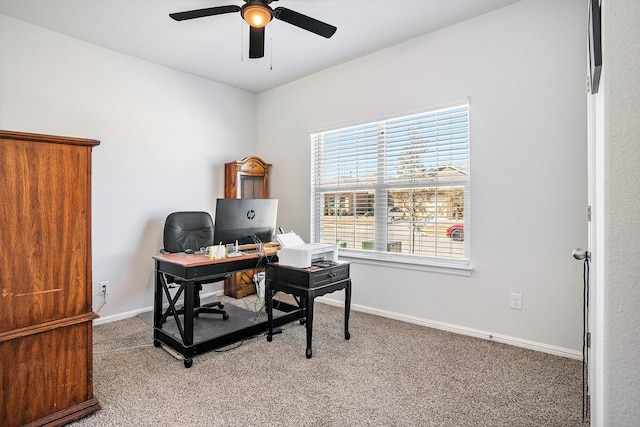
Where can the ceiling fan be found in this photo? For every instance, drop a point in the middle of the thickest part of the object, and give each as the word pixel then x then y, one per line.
pixel 258 14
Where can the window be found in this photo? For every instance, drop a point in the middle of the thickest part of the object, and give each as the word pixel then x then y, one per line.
pixel 396 189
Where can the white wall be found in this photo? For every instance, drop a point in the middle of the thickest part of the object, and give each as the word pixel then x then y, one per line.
pixel 616 334
pixel 165 137
pixel 523 68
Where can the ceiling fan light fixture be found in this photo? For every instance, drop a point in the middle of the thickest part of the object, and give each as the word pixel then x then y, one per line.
pixel 256 15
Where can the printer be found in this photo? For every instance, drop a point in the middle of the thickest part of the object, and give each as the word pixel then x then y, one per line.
pixel 295 252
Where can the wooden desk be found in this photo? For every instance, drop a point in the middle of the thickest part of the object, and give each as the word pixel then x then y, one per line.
pixel 306 284
pixel 191 268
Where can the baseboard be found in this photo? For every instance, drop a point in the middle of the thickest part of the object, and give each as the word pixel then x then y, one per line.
pixel 133 313
pixel 477 333
pixel 120 316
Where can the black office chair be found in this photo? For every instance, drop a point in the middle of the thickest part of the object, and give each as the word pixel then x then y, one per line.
pixel 188 232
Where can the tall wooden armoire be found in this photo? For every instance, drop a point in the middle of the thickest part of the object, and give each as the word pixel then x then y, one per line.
pixel 46 357
pixel 245 179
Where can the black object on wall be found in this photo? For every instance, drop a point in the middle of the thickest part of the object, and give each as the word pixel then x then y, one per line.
pixel 595 45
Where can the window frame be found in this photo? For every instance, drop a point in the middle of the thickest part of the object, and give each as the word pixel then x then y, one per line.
pixel 441 264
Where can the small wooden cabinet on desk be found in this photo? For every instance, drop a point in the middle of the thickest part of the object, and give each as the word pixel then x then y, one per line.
pixel 245 179
pixel 46 359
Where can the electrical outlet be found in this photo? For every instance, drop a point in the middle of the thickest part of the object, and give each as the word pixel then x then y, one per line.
pixel 103 289
pixel 516 301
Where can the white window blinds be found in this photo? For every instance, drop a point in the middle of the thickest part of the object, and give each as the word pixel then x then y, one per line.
pixel 396 188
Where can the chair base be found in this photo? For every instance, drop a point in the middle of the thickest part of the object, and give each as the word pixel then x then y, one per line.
pixel 208 309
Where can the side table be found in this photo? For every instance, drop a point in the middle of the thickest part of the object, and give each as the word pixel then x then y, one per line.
pixel 306 284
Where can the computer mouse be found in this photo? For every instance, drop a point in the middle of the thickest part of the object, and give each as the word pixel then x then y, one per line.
pixel 188 251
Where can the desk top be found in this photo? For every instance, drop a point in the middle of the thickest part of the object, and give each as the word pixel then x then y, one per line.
pixel 195 260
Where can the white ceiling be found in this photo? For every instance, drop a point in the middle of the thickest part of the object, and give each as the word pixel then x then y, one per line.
pixel 216 47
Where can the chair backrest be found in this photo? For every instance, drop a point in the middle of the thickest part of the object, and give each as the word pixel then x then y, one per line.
pixel 187 230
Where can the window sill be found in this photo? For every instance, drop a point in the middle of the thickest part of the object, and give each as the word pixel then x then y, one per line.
pixel 457 268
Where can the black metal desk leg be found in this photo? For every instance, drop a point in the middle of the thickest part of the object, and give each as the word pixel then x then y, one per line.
pixel 188 313
pixel 269 300
pixel 188 319
pixel 157 300
pixel 347 310
pixel 309 306
pixel 157 304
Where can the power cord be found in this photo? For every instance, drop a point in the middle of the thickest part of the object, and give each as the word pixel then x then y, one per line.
pixel 257 304
pixel 123 349
pixel 237 345
pixel 104 301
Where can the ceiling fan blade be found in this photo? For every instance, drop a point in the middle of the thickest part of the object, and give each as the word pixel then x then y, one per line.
pixel 303 21
pixel 256 42
pixel 200 13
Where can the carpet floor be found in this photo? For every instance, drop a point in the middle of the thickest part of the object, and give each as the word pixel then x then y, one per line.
pixel 390 373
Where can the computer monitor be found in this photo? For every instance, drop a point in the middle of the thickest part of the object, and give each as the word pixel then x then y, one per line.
pixel 243 219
